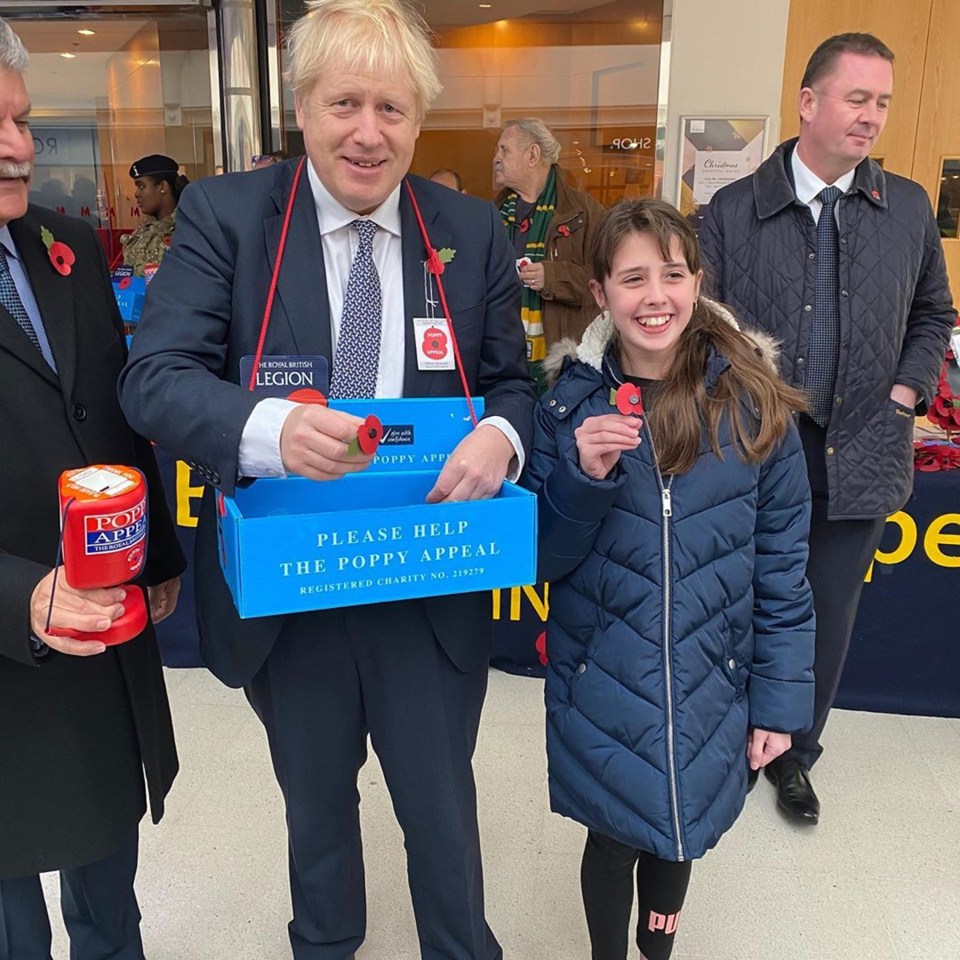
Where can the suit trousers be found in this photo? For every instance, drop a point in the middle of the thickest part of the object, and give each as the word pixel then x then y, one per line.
pixel 99 908
pixel 841 552
pixel 332 678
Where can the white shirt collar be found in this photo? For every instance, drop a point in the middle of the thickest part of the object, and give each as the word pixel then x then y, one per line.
pixel 808 185
pixel 333 215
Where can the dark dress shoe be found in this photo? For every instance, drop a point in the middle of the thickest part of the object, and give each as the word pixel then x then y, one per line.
pixel 795 794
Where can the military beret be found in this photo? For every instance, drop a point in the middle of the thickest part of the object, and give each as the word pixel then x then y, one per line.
pixel 153 165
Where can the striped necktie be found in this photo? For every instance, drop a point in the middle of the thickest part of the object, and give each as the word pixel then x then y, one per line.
pixel 357 359
pixel 11 300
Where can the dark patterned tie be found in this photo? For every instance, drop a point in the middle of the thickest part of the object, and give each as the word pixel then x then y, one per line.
pixel 11 300
pixel 824 347
pixel 358 346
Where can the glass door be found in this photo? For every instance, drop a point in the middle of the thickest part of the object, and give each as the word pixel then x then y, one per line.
pixel 107 89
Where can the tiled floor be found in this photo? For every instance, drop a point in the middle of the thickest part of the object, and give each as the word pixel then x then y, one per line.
pixel 878 879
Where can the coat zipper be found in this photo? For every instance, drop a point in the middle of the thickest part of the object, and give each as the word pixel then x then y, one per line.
pixel 666 502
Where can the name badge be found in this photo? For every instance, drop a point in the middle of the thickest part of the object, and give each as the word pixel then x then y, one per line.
pixel 434 344
pixel 279 376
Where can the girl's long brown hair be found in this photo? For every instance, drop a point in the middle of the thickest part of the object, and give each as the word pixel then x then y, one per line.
pixel 756 403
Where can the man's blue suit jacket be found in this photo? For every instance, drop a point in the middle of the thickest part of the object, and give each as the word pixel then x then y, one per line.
pixel 203 312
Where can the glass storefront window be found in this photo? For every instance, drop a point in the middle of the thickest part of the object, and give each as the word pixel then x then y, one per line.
pixel 590 74
pixel 107 90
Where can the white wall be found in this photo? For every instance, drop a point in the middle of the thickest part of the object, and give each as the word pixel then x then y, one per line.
pixel 726 60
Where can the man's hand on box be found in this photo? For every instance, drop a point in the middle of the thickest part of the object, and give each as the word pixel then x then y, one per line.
pixel 315 443
pixel 476 468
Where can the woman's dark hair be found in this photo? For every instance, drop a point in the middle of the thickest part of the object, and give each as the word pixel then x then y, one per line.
pixel 756 402
pixel 175 181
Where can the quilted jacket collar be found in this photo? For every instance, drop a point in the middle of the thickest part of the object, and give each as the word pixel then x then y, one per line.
pixel 773 187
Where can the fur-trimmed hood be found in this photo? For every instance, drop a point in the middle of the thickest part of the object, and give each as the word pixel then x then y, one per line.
pixel 600 333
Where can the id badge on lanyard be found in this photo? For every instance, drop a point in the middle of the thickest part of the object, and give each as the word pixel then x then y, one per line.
pixel 431 333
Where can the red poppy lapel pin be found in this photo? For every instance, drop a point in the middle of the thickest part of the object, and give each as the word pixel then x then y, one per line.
pixel 61 256
pixel 438 259
pixel 563 230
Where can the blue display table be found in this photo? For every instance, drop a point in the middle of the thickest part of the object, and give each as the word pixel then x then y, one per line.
pixel 905 654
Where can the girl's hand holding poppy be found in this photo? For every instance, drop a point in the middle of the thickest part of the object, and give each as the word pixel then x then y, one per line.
pixel 601 440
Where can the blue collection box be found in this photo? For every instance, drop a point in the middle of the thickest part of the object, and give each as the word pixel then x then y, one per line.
pixel 130 292
pixel 292 545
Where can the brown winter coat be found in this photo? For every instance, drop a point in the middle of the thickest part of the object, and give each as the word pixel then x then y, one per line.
pixel 568 304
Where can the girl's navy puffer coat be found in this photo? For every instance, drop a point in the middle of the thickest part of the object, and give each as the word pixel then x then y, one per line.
pixel 669 635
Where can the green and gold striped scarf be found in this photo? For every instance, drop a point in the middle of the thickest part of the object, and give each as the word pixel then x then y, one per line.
pixel 531 310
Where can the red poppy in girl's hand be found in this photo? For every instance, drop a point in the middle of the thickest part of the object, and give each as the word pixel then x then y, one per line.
pixel 629 400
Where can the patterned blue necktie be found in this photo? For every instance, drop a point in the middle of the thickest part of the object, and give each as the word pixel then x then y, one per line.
pixel 11 300
pixel 824 348
pixel 358 346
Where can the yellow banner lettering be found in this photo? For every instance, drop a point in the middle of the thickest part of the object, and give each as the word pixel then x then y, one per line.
pixel 185 493
pixel 935 538
pixel 908 540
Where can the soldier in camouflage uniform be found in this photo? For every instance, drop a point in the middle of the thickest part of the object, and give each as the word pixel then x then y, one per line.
pixel 158 187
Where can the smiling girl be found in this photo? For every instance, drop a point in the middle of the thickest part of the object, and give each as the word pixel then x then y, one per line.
pixel 680 637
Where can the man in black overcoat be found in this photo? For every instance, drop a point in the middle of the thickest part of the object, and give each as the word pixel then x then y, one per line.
pixel 85 731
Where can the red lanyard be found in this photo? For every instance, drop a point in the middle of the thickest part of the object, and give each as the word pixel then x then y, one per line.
pixel 268 309
pixel 433 264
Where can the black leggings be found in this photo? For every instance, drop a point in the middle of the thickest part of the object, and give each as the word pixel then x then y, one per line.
pixel 606 880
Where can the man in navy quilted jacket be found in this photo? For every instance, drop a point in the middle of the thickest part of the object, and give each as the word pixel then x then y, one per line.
pixel 841 261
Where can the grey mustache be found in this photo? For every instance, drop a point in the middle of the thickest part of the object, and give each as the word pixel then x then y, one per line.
pixel 11 171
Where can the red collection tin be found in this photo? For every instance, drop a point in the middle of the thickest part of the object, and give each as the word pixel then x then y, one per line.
pixel 103 510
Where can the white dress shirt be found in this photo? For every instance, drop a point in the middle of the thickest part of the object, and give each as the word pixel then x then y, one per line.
pixel 259 454
pixel 808 186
